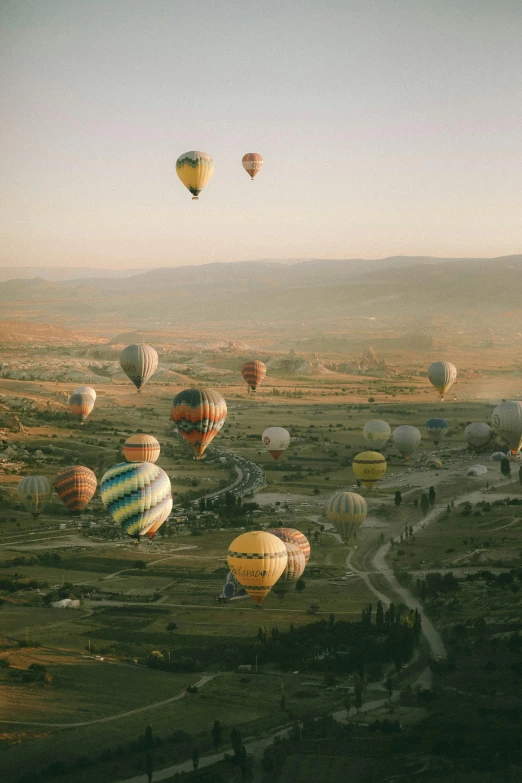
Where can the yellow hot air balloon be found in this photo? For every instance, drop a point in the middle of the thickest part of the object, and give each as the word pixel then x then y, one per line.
pixel 257 560
pixel 195 170
pixel 442 375
pixel 35 492
pixel 369 467
pixel 347 510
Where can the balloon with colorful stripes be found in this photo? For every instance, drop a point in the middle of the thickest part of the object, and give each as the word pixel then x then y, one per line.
pixel 195 170
pixel 257 560
pixel 199 414
pixel 81 405
pixel 253 372
pixel 293 570
pixel 292 536
pixel 137 495
pixel 35 492
pixel 75 486
pixel 141 448
pixel 347 511
pixel 139 362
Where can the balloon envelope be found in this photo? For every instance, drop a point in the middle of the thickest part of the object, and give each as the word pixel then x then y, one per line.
pixel 199 414
pixel 35 492
pixel 292 536
pixel 257 560
pixel 347 511
pixel 436 429
pixel 86 390
pixel 442 375
pixel 141 448
pixel 253 373
pixel 139 362
pixel 75 486
pixel 478 434
pixel 81 405
pixel 507 424
pixel 376 433
pixel 293 570
pixel 369 467
pixel 195 170
pixel 406 439
pixel 252 163
pixel 137 495
pixel 276 440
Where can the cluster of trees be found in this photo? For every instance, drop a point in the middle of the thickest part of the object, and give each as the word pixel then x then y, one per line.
pixel 434 585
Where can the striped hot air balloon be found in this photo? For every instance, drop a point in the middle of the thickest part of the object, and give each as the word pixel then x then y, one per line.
pixel 35 492
pixel 376 433
pixel 252 163
pixel 75 486
pixel 253 372
pixel 195 170
pixel 139 362
pixel 81 405
pixel 442 375
pixel 347 510
pixel 86 390
pixel 293 570
pixel 151 532
pixel 141 448
pixel 292 536
pixel 200 414
pixel 137 495
pixel 369 467
pixel 257 560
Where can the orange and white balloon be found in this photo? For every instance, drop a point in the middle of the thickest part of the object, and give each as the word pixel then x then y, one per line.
pixel 252 163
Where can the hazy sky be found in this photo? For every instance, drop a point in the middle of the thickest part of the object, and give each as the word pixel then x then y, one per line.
pixel 387 127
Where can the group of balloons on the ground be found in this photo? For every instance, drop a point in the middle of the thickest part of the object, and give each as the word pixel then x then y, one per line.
pixel 195 169
pixel 138 495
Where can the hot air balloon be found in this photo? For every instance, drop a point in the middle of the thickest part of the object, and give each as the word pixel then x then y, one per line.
pixel 151 532
pixel 276 440
pixel 507 424
pixel 139 362
pixel 232 588
pixel 292 536
pixel 252 163
pixel 141 448
pixel 293 571
pixel 406 439
pixel 253 373
pixel 35 492
pixel 257 560
pixel 86 390
pixel 75 486
pixel 369 467
pixel 436 429
pixel 195 170
pixel 347 511
pixel 81 404
pixel 200 415
pixel 442 375
pixel 137 495
pixel 478 434
pixel 376 433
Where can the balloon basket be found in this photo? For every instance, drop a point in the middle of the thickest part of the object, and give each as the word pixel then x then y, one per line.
pixel 195 198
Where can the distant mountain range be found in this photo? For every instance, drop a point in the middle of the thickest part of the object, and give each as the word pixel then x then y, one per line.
pixel 269 291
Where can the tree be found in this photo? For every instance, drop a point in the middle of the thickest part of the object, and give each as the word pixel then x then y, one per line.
pixel 389 687
pixel 371 400
pixel 398 498
pixel 217 734
pixel 140 564
pixel 202 504
pixel 149 739
pixel 505 467
pixel 300 585
pixel 195 758
pixel 149 767
pixel 431 496
pixel 425 503
pixel 379 614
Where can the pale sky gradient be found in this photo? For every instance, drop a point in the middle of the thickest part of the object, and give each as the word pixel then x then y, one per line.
pixel 387 127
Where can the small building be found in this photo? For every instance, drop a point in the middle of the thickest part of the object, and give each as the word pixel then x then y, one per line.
pixel 477 470
pixel 67 603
